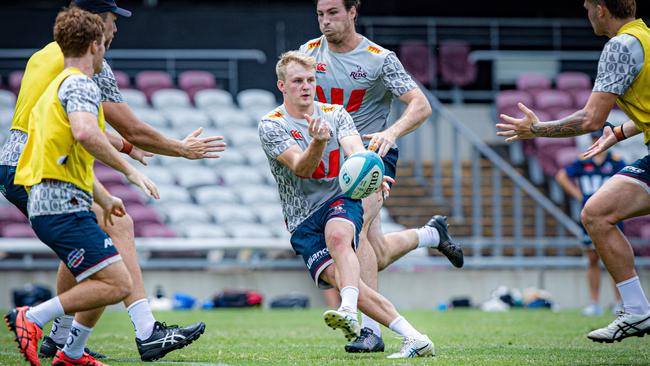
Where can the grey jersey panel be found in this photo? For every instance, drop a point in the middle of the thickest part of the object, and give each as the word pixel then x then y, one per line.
pixel 363 80
pixel 302 196
pixel 620 63
pixel 108 85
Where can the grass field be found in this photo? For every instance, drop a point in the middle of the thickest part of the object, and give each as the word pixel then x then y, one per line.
pixel 462 337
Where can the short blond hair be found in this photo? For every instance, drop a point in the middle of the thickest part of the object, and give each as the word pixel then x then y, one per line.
pixel 286 58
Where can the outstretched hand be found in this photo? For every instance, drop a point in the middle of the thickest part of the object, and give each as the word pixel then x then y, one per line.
pixel 318 130
pixel 607 140
pixel 518 128
pixel 380 142
pixel 195 147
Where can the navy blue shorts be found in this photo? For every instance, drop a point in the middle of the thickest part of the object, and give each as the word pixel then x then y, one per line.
pixel 308 239
pixel 390 161
pixel 639 170
pixel 14 194
pixel 78 241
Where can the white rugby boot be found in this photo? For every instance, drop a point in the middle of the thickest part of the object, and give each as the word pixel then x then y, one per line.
pixel 415 347
pixel 625 325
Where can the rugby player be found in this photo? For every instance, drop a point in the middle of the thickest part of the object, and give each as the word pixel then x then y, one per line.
pixel 305 142
pixel 363 76
pixel 623 78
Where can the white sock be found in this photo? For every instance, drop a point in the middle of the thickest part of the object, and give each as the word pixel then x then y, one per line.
pixel 61 328
pixel 45 312
pixel 428 237
pixel 74 347
pixel 402 327
pixel 368 322
pixel 634 299
pixel 142 318
pixel 349 298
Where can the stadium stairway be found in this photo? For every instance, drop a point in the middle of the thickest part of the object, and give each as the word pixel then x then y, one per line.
pixel 411 204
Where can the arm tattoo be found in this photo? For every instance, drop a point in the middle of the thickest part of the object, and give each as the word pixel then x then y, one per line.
pixel 565 127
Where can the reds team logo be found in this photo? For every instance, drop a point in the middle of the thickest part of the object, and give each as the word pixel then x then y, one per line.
pixel 75 257
pixel 358 73
pixel 321 68
pixel 296 135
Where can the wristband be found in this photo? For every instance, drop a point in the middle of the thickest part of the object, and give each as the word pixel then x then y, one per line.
pixel 126 147
pixel 618 133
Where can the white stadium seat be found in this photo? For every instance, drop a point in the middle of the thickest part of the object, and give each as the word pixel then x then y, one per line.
pixel 243 137
pixel 158 174
pixel 235 176
pixel 172 194
pixel 6 115
pixel 229 117
pixel 151 116
pixel 230 157
pixel 186 120
pixel 254 194
pixel 213 98
pixel 190 230
pixel 256 97
pixel 180 213
pixel 214 195
pixel 245 230
pixel 229 213
pixel 7 99
pixel 135 98
pixel 190 177
pixel 170 98
pixel 270 213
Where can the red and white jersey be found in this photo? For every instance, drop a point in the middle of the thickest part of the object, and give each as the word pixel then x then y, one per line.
pixel 302 196
pixel 362 80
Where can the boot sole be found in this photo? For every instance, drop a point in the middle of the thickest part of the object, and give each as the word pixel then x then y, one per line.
pixel 335 321
pixel 160 353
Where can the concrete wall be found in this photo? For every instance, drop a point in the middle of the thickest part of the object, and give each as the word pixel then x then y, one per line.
pixel 407 289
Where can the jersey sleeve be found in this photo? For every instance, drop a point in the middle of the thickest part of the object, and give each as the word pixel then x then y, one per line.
pixel 573 169
pixel 108 85
pixel 344 123
pixel 275 139
pixel 394 77
pixel 78 93
pixel 620 63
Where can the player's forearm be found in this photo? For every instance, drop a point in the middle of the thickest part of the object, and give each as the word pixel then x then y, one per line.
pixel 351 144
pixel 310 159
pixel 417 111
pixel 139 133
pixel 630 129
pixel 579 123
pixel 98 146
pixel 115 140
pixel 100 194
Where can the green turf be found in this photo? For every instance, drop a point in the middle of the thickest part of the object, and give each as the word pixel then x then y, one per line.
pixel 462 337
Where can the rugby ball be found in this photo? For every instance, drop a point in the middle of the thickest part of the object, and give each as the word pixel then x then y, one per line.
pixel 361 174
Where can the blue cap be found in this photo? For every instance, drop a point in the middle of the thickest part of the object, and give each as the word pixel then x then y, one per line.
pixel 101 6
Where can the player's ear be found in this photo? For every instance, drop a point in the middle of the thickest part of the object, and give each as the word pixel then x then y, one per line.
pixel 93 47
pixel 281 85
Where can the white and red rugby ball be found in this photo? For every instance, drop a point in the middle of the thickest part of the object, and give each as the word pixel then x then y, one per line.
pixel 361 174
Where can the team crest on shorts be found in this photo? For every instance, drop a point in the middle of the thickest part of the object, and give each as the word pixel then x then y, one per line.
pixel 75 257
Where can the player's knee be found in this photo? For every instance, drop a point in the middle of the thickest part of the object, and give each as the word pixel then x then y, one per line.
pixel 338 240
pixel 120 286
pixel 121 226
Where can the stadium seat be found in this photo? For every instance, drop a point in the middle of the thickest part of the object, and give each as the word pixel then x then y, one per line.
pixel 108 176
pixel 213 99
pixel 151 116
pixel 230 213
pixel 643 249
pixel 566 155
pixel 455 66
pixel 186 120
pixel 127 194
pixel 254 194
pixel 173 193
pixel 191 177
pixel 142 214
pixel 553 102
pixel 580 97
pixel 572 80
pixel 231 157
pixel 417 58
pixel 252 98
pixel 15 79
pixel 11 215
pixel 257 157
pixel 122 78
pixel 546 152
pixel 508 99
pixel 135 98
pixel 157 231
pixel 151 81
pixel 235 176
pixel 201 231
pixel 194 81
pixel 7 99
pixel 158 174
pixel 170 98
pixel 270 213
pixel 18 231
pixel 632 227
pixel 6 115
pixel 246 230
pixel 533 83
pixel 243 138
pixel 230 118
pixel 214 195
pixel 178 213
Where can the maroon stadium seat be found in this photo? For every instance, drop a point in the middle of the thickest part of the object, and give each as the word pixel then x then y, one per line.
pixel 417 58
pixel 572 80
pixel 580 97
pixel 123 81
pixel 194 81
pixel 546 150
pixel 553 101
pixel 455 66
pixel 18 231
pixel 15 78
pixel 157 231
pixel 143 215
pixel 566 155
pixel 127 194
pixel 108 176
pixel 11 215
pixel 150 81
pixel 533 83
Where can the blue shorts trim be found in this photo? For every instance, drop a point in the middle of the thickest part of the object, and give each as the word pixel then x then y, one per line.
pixel 78 241
pixel 308 239
pixel 15 194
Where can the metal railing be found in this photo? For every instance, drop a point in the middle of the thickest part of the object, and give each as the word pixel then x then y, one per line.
pixel 223 63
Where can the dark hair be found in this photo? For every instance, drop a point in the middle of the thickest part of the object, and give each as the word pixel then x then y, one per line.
pixel 620 9
pixel 76 29
pixel 349 4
